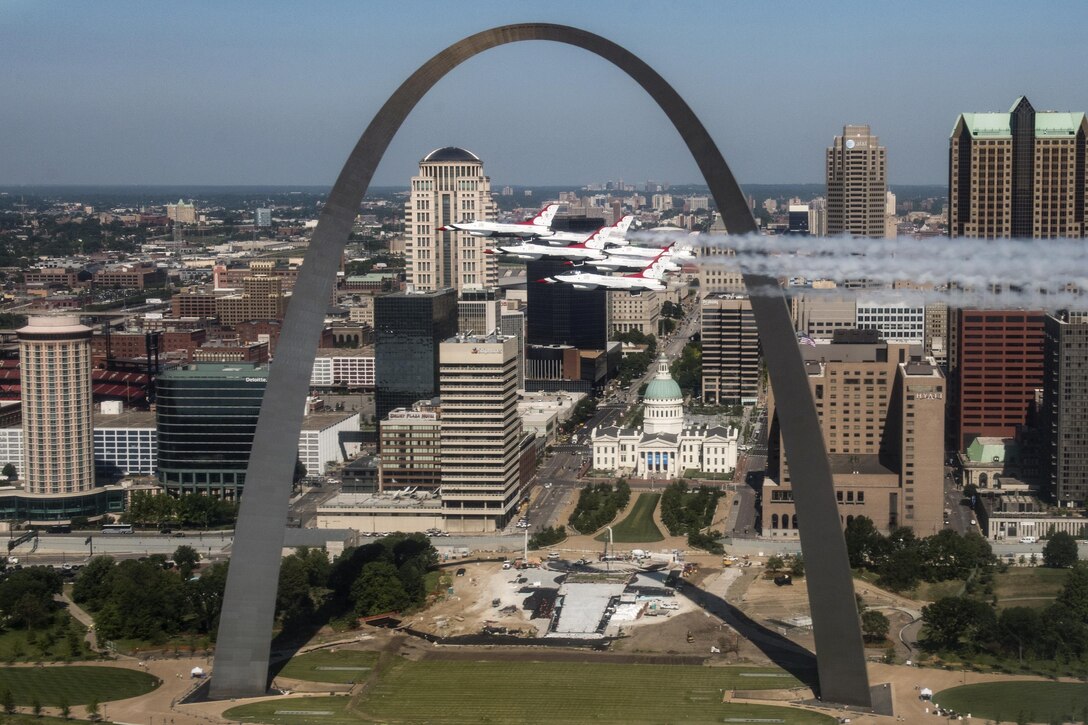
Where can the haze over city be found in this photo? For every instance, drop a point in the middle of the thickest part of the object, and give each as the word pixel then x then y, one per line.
pixel 278 93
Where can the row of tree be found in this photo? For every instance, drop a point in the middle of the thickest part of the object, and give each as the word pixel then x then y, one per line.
pixel 634 365
pixel 901 560
pixel 598 504
pixel 687 371
pixel 191 510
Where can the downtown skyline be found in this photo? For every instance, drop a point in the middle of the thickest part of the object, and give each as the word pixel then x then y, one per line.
pixel 266 94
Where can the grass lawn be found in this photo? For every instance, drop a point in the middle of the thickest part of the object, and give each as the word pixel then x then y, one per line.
pixel 541 692
pixel 50 643
pixel 639 525
pixel 932 591
pixel 297 711
pixel 1028 586
pixel 76 685
pixel 1034 701
pixel 330 665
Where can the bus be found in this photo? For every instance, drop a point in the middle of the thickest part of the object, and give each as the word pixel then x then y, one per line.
pixel 117 529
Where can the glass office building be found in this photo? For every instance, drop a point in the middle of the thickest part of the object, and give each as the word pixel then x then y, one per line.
pixel 408 329
pixel 207 415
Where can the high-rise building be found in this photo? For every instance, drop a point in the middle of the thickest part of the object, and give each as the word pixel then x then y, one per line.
pixel 560 314
pixel 730 350
pixel 817 217
pixel 856 184
pixel 481 432
pixel 995 367
pixel 261 298
pixel 718 272
pixel 798 219
pixel 450 187
pixel 183 212
pixel 1019 174
pixel 891 221
pixel 408 329
pixel 512 324
pixel 882 416
pixel 207 415
pixel 478 311
pixel 1065 407
pixel 411 448
pixel 58 411
pixel 893 321
pixel 263 217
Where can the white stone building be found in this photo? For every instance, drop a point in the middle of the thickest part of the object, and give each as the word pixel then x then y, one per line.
pixel 664 447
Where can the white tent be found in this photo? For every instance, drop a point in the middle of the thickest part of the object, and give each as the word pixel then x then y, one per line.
pixel 196 672
pixel 925 693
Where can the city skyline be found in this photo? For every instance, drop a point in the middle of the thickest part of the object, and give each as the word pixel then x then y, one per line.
pixel 250 94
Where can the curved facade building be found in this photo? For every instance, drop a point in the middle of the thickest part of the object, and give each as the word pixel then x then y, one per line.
pixel 207 415
pixel 58 423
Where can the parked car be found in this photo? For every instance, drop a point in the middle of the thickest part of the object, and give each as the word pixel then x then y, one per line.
pixel 1028 539
pixel 461 571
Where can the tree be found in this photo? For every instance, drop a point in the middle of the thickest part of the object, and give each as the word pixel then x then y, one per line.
pixel 92 585
pixel 36 707
pixel 92 709
pixel 1060 551
pixel 65 708
pixel 952 622
pixel 1074 594
pixel 186 559
pixel 861 540
pixel 10 472
pixel 8 701
pixel 874 625
pixel 379 589
pixel 775 563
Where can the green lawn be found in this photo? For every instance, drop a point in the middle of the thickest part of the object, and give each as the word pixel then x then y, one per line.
pixel 75 685
pixel 49 644
pixel 638 526
pixel 542 692
pixel 325 665
pixel 933 591
pixel 1032 701
pixel 1028 586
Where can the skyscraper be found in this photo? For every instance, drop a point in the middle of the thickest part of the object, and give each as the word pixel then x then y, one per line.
pixel 450 187
pixel 1065 406
pixel 1019 174
pixel 560 314
pixel 481 432
pixel 730 350
pixel 856 184
pixel 408 328
pixel 58 422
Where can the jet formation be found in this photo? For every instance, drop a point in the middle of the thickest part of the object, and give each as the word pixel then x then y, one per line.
pixel 606 249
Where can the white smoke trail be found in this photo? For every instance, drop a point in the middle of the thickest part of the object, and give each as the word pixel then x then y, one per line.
pixel 1042 273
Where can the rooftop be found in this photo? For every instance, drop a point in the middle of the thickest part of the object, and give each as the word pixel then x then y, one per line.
pixel 219 371
pixel 451 153
pixel 321 421
pixel 127 419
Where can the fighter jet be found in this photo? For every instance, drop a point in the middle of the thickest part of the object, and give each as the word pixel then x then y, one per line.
pixel 649 278
pixel 587 247
pixel 539 225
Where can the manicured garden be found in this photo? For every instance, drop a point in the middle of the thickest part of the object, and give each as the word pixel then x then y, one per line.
pixel 543 692
pixel 76 685
pixel 638 526
pixel 1023 701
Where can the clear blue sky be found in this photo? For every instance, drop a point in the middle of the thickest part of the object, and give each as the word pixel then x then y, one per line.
pixel 271 92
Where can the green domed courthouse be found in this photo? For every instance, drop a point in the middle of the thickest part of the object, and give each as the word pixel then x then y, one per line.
pixel 664 447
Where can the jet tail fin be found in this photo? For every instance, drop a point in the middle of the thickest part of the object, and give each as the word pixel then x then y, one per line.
pixel 544 216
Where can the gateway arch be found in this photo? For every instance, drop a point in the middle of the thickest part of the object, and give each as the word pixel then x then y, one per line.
pixel 245 629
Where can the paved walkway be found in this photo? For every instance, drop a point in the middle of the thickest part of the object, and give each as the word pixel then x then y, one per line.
pixel 80 615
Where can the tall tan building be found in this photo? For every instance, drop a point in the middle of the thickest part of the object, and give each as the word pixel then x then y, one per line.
pixel 730 350
pixel 58 411
pixel 882 416
pixel 450 187
pixel 261 298
pixel 1019 174
pixel 481 431
pixel 856 184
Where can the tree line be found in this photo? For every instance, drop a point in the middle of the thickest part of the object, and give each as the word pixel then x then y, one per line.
pixel 689 511
pixel 189 509
pixel 598 504
pixel 901 560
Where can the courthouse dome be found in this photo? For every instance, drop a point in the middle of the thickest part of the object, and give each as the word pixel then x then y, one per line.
pixel 662 387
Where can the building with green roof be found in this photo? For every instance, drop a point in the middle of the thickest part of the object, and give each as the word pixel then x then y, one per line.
pixel 1019 174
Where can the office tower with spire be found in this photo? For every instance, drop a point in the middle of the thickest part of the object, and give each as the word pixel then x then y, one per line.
pixel 856 184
